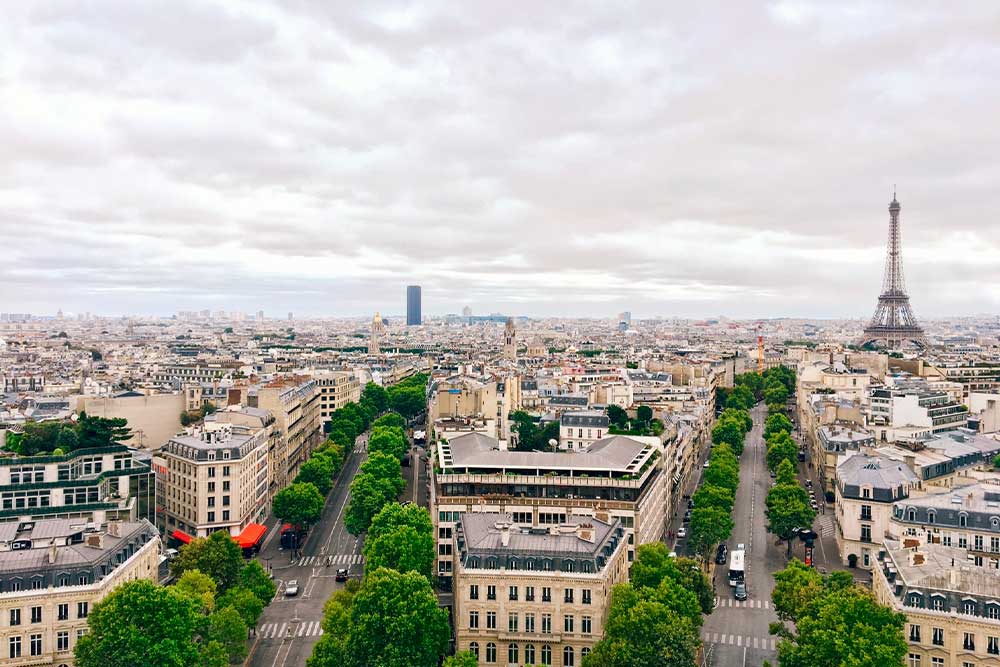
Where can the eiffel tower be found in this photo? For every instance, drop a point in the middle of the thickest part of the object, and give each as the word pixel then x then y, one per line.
pixel 893 322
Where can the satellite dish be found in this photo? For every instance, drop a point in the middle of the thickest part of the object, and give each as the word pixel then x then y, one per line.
pixel 553 443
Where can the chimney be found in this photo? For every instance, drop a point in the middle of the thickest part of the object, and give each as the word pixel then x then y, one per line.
pixel 505 534
pixel 911 461
pixel 114 528
pixel 95 540
pixel 53 552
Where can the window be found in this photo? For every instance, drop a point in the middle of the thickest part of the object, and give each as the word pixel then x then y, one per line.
pixel 473 620
pixel 866 533
pixel 930 517
pixel 491 592
pixel 211 501
pixel 546 594
pixel 915 633
pixel 491 620
pixel 36 644
pixel 584 652
pixel 63 612
pixel 568 623
pixel 512 654
pixel 546 626
pixel 913 660
pixel 491 652
pixel 977 542
pixel 512 593
pixel 993 645
pixel 15 647
pixel 995 544
pixel 36 614
pixel 969 607
pixel 225 471
pixel 62 641
pixel 568 656
pixel 529 624
pixel 963 542
pixel 585 593
pixel 586 625
pixel 866 512
pixel 529 654
pixel 568 595
pixel 963 521
pixel 529 594
pixel 444 533
pixel 225 516
pixel 969 641
pixel 473 592
pixel 937 603
pixel 225 501
pixel 511 622
pixel 15 617
pixel 546 654
pixel 937 662
pixel 937 636
pixel 211 517
pixel 474 648
pixel 211 471
pixel 82 609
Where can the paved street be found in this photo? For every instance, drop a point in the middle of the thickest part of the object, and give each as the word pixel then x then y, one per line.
pixel 289 627
pixel 736 633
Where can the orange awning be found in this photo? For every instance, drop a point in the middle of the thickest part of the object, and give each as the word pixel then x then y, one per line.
pixel 251 535
pixel 181 536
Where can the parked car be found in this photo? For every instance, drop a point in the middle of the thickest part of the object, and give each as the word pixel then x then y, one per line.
pixel 741 547
pixel 341 574
pixel 687 516
pixel 740 592
pixel 690 504
pixel 721 554
pixel 812 503
pixel 682 532
pixel 291 588
pixel 705 464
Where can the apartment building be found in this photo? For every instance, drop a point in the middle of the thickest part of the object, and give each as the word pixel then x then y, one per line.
pixel 582 428
pixel 53 572
pixel 179 374
pixel 952 606
pixel 615 478
pixel 944 459
pixel 534 595
pixel 867 488
pixel 217 479
pixel 835 441
pixel 912 409
pixel 294 400
pixel 99 484
pixel 336 389
pixel 254 419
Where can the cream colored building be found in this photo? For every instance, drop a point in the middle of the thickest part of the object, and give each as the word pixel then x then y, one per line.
pixel 53 572
pixel 153 418
pixel 255 419
pixel 217 479
pixel 336 389
pixel 534 596
pixel 294 400
pixel 952 606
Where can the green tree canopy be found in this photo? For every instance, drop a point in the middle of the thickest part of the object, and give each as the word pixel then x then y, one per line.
pixel 617 416
pixel 244 601
pixel 709 526
pixel 723 476
pixel 101 431
pixel 407 401
pixel 776 423
pixel 390 440
pixel 333 650
pixel 653 564
pixel 786 473
pixel 708 495
pixel 369 494
pixel 644 413
pixel 461 659
pixel 377 395
pixel 780 448
pixel 729 432
pixel 140 623
pixel 199 587
pixel 396 621
pixel 740 398
pixel 300 504
pixel 217 556
pixel 741 417
pixel 403 549
pixel 317 471
pixel 390 420
pixel 787 511
pixel 226 626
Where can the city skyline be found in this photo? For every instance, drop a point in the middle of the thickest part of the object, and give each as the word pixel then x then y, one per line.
pixel 553 164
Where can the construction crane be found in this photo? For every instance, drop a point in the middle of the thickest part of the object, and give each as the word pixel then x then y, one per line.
pixel 760 350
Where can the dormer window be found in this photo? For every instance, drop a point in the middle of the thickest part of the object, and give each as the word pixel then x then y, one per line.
pixel 911 514
pixel 930 516
pixel 963 520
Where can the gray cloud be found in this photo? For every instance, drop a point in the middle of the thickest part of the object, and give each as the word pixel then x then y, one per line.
pixel 535 159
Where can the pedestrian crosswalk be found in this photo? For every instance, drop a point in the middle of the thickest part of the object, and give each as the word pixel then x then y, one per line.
pixel 824 525
pixel 338 559
pixel 286 629
pixel 748 641
pixel 359 449
pixel 745 604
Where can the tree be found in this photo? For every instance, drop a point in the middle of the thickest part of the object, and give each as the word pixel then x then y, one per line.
pixel 408 401
pixel 396 621
pixel 996 462
pixel 729 432
pixel 299 504
pixel 402 539
pixel 640 632
pixel 741 417
pixel 708 495
pixel 369 493
pixel 390 440
pixel 775 394
pixel 842 626
pixel 721 475
pixel 101 432
pixel 389 420
pixel 317 471
pixel 776 423
pixel 461 659
pixel 140 623
pixel 787 511
pixel 244 601
pixel 226 626
pixel 786 473
pixel 387 467
pixel 653 563
pixel 217 556
pixel 199 587
pixel 617 416
pixel 795 588
pixel 332 649
pixel 740 398
pixel 780 448
pixel 709 527
pixel 255 579
pixel 644 414
pixel 377 395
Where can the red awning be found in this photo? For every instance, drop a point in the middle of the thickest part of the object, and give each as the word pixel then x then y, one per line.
pixel 251 535
pixel 181 536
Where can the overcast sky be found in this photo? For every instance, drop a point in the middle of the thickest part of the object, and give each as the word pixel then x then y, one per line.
pixel 537 158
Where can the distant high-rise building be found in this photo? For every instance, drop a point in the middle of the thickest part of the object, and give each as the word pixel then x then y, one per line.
pixel 413 314
pixel 378 327
pixel 289 316
pixel 466 312
pixel 260 315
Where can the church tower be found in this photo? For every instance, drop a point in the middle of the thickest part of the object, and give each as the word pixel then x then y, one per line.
pixel 378 328
pixel 510 341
